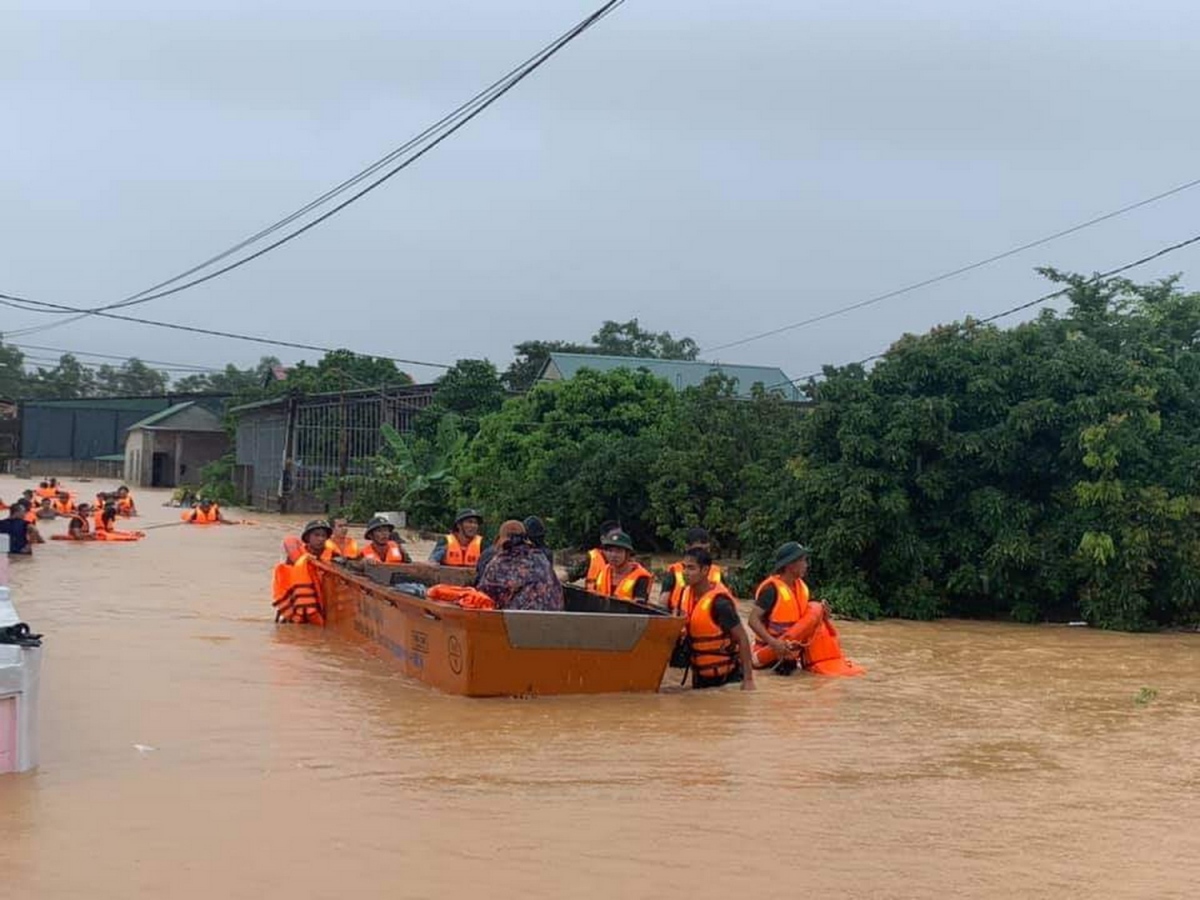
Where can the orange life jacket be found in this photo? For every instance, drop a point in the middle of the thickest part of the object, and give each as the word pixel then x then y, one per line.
pixel 624 589
pixel 296 593
pixel 348 550
pixel 822 651
pixel 125 505
pixel 63 507
pixel 45 492
pixel 714 652
pixel 791 603
pixel 293 548
pixel 98 521
pixel 393 554
pixel 198 516
pixel 456 555
pixel 596 565
pixel 674 601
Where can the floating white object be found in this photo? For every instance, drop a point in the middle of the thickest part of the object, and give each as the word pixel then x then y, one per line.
pixel 19 676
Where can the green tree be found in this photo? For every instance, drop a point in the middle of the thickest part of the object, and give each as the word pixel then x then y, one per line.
pixel 1038 472
pixel 629 339
pixel 466 393
pixel 342 370
pixel 717 460
pixel 400 478
pixel 132 378
pixel 231 380
pixel 13 382
pixel 575 452
pixel 67 380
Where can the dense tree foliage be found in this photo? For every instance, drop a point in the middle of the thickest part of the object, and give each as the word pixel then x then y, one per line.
pixel 1044 471
pixel 574 452
pixel 231 380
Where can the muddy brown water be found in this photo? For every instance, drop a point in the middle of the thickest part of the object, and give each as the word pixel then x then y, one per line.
pixel 191 749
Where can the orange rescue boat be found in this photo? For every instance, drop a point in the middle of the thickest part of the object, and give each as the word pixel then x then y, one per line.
pixel 597 645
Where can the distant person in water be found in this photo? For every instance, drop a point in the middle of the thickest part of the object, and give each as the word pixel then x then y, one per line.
pixel 206 513
pixel 125 504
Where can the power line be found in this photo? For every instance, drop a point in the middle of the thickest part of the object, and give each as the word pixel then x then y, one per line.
pixel 1037 301
pixel 960 270
pixel 157 362
pixel 15 302
pixel 459 118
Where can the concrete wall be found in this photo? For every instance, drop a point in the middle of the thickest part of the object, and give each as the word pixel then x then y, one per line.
pixel 137 459
pixel 187 453
pixel 198 450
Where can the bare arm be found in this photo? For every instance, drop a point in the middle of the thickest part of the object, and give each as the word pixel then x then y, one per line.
pixel 743 641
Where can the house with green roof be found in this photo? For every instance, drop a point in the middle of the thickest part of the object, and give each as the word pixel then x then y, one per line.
pixel 169 447
pixel 679 373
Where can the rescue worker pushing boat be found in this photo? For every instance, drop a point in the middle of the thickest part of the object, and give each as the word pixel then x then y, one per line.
pixel 791 629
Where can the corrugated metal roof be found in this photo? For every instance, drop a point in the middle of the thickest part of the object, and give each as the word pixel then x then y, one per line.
pixel 197 418
pixel 679 374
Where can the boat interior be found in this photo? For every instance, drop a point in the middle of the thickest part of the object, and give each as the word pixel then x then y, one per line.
pixel 576 599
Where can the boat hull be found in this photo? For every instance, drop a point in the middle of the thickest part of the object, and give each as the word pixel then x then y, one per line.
pixel 619 647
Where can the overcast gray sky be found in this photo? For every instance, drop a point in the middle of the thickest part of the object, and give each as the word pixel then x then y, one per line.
pixel 714 169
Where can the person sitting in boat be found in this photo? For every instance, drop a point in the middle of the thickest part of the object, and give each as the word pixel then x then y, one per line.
pixel 673 584
pixel 790 629
pixel 29 500
pixel 296 592
pixel 206 513
pixel 46 509
pixel 382 545
pixel 18 530
pixel 509 529
pixel 464 544
pixel 719 646
pixel 45 489
pixel 590 567
pixel 63 504
pixel 125 505
pixel 624 577
pixel 340 543
pixel 535 530
pixel 520 577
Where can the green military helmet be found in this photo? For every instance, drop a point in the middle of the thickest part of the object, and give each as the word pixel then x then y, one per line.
pixel 313 526
pixel 618 539
pixel 787 554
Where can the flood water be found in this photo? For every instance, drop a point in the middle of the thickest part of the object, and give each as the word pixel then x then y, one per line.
pixel 191 749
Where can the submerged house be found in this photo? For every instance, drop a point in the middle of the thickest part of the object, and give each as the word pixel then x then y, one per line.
pixel 169 447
